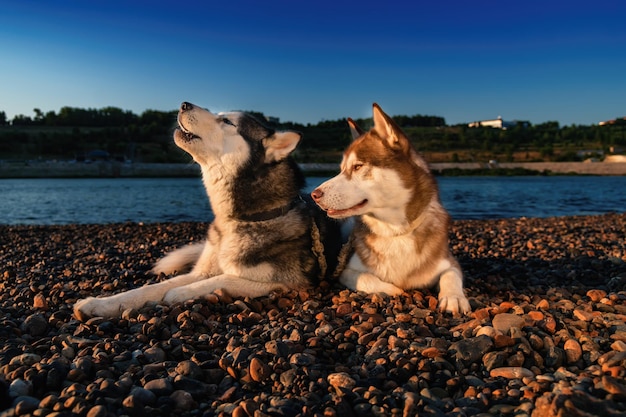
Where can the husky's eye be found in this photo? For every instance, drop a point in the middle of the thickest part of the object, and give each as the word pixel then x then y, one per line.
pixel 356 167
pixel 227 121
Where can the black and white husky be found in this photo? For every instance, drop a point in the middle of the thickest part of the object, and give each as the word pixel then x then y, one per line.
pixel 265 236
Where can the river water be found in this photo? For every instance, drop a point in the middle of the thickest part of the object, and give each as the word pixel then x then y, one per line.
pixel 151 200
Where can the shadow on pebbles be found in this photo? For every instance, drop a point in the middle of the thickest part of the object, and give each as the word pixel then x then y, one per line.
pixel 546 337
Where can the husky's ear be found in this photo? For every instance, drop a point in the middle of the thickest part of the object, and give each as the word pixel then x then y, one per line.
pixel 388 130
pixel 280 145
pixel 355 130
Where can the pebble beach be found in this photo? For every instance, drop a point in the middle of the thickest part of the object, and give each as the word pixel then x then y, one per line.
pixel 546 336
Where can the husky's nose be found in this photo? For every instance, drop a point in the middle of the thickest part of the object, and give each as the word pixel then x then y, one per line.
pixel 317 194
pixel 186 106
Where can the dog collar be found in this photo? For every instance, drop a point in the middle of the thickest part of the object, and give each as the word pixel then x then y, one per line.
pixel 269 214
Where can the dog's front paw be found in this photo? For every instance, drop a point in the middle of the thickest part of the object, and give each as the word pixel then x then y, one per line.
pixel 179 295
pixel 95 307
pixel 369 283
pixel 391 290
pixel 455 304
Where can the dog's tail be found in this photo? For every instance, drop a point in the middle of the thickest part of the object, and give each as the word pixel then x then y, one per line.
pixel 179 261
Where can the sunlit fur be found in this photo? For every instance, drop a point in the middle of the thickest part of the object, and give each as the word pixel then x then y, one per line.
pixel 261 238
pixel 400 228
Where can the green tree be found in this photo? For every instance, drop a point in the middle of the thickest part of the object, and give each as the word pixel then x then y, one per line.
pixel 39 116
pixel 21 120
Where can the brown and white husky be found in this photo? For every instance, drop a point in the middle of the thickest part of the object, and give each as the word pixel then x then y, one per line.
pixel 400 230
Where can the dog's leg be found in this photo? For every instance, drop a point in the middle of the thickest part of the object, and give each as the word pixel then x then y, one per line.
pixel 179 260
pixel 451 296
pixel 356 277
pixel 232 285
pixel 366 282
pixel 114 305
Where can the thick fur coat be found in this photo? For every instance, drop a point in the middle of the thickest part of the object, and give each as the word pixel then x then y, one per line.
pixel 400 229
pixel 265 236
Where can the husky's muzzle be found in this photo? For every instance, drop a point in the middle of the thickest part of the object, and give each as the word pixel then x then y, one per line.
pixel 186 133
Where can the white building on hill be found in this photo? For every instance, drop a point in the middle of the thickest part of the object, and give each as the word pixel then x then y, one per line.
pixel 495 123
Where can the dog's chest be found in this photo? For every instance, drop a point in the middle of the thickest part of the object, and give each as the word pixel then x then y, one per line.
pixel 389 257
pixel 236 243
pixel 227 245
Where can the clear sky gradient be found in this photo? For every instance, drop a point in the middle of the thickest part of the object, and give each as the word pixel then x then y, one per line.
pixel 307 61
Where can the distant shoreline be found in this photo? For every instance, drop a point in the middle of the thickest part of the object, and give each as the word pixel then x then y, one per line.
pixel 114 169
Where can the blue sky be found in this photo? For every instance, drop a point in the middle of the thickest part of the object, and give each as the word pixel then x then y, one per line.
pixel 307 61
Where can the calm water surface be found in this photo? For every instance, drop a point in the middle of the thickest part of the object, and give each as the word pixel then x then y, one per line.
pixel 85 201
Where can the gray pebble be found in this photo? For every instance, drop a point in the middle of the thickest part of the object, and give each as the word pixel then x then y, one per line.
pixel 471 350
pixel 154 354
pixel 184 400
pixel 25 405
pixel 160 386
pixel 190 369
pixel 35 325
pixel 26 359
pixel 20 388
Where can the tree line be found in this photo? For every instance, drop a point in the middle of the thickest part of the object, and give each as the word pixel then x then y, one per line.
pixel 79 117
pixel 73 132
